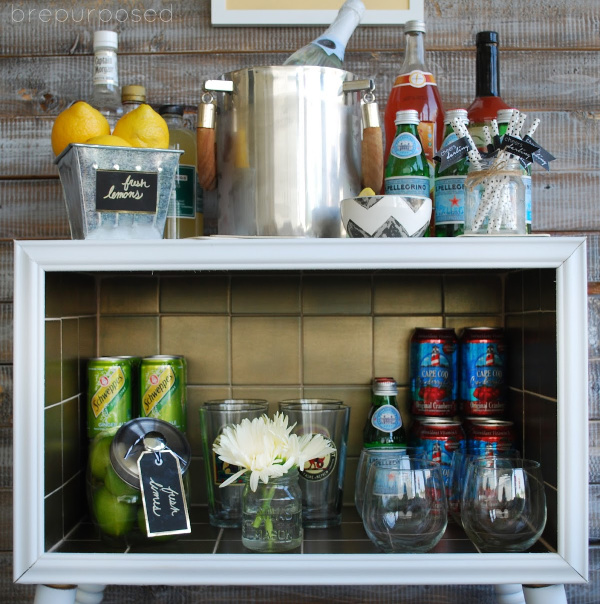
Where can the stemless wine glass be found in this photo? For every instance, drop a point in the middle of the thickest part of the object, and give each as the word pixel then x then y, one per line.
pixel 405 507
pixel 458 475
pixel 503 507
pixel 383 456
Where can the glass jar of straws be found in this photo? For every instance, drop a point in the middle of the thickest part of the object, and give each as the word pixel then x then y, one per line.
pixel 495 197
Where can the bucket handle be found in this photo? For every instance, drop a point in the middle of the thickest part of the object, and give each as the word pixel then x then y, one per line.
pixel 371 156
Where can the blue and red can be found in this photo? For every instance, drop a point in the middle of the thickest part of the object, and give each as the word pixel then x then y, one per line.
pixel 483 389
pixel 434 372
pixel 490 437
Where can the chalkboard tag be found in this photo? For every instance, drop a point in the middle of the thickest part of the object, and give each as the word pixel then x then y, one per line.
pixel 541 156
pixel 165 507
pixel 122 191
pixel 521 148
pixel 453 152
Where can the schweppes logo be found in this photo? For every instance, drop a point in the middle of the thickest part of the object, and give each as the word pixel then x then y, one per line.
pixel 110 386
pixel 160 385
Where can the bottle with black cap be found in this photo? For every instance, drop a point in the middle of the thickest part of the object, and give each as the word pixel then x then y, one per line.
pixel 487 101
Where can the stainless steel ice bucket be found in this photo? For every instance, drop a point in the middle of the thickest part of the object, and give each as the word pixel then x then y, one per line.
pixel 288 149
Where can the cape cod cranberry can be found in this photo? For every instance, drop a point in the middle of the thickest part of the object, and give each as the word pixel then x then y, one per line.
pixel 439 437
pixel 433 372
pixel 490 436
pixel 482 389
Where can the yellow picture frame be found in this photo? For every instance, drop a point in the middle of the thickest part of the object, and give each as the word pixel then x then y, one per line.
pixel 309 12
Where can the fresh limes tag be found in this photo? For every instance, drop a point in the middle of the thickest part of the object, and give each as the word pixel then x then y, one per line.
pixel 163 495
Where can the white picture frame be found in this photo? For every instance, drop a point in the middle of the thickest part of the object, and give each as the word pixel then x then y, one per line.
pixel 309 12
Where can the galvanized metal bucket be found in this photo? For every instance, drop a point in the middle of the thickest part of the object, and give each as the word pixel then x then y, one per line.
pixel 288 149
pixel 80 167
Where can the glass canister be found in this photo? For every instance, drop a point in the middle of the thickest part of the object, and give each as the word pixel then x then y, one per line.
pixel 495 197
pixel 272 514
pixel 113 491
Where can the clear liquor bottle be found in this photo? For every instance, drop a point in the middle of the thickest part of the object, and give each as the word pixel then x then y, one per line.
pixel 106 95
pixel 328 49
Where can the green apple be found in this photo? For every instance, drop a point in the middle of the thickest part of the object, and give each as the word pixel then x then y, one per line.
pixel 100 455
pixel 118 487
pixel 114 516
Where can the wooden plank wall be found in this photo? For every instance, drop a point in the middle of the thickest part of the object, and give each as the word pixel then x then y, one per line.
pixel 550 68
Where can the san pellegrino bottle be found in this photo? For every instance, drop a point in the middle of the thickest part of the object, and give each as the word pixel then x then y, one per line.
pixel 415 88
pixel 407 170
pixel 106 95
pixel 487 101
pixel 132 96
pixel 384 422
pixel 450 185
pixel 328 49
pixel 503 120
pixel 181 216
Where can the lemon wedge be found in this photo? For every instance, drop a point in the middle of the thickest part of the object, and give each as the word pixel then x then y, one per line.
pixel 368 192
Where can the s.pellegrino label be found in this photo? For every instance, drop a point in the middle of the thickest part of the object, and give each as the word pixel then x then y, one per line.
pixel 163 494
pixel 449 200
pixel 407 185
pixel 386 418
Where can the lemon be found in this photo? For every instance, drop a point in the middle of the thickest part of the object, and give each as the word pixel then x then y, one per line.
pixel 368 192
pixel 100 456
pixel 114 516
pixel 108 139
pixel 77 124
pixel 143 127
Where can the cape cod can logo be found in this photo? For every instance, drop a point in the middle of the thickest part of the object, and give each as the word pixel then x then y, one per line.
pixel 406 145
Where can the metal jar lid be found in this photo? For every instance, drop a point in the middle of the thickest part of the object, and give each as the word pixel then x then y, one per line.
pixel 142 434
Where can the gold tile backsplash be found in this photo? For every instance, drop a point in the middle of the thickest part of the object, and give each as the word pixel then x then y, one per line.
pixel 262 335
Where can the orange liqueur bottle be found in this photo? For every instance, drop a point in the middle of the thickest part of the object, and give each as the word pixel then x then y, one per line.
pixel 415 88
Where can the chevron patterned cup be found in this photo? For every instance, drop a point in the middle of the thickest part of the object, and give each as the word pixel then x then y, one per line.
pixel 386 216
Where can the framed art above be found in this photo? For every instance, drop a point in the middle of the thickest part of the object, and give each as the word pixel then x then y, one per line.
pixel 310 12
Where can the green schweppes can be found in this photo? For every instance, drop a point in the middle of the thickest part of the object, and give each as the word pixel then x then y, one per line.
pixel 109 394
pixel 162 386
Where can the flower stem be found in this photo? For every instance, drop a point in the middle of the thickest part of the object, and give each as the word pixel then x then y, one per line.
pixel 263 514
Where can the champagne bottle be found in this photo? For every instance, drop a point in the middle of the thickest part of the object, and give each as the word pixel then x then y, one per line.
pixel 384 423
pixel 487 101
pixel 328 49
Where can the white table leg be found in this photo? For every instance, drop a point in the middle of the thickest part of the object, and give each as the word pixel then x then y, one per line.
pixel 545 594
pixel 55 594
pixel 89 594
pixel 511 593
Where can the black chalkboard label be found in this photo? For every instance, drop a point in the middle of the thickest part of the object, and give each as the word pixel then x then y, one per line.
pixel 165 507
pixel 522 149
pixel 122 191
pixel 454 152
pixel 541 156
